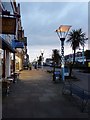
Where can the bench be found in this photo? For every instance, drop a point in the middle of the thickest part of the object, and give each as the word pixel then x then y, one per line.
pixel 77 91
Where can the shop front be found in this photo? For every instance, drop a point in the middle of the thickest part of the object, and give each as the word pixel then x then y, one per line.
pixel 6 50
pixel 19 54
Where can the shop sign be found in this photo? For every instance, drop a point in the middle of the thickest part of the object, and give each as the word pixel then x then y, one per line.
pixel 24 40
pixel 8 25
pixel 17 44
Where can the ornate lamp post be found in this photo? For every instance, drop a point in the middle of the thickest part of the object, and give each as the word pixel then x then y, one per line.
pixel 62 32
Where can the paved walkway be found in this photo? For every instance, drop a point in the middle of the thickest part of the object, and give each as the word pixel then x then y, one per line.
pixel 36 96
pixel 83 79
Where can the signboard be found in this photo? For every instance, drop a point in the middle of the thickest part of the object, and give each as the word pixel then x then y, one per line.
pixel 24 40
pixel 8 25
pixel 17 44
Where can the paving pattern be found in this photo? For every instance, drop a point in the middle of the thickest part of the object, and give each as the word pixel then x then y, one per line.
pixel 36 96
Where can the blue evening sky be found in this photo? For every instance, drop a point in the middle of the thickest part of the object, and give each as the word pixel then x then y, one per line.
pixel 41 19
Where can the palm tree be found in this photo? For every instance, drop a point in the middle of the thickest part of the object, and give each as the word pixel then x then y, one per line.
pixel 87 54
pixel 56 60
pixel 76 38
pixel 56 57
pixel 39 60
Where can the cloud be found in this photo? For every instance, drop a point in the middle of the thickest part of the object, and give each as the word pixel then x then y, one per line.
pixel 44 18
pixel 50 0
pixel 40 20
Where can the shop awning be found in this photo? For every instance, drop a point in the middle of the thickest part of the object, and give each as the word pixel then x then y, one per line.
pixel 6 46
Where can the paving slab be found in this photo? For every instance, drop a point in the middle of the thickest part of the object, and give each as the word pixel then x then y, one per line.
pixel 36 96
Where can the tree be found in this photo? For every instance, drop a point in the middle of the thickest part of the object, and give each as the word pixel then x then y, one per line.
pixel 87 55
pixel 76 38
pixel 39 60
pixel 56 57
pixel 56 60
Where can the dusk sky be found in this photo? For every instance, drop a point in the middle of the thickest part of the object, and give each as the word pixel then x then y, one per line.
pixel 41 19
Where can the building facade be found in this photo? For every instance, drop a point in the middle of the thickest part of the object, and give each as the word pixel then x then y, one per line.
pixel 6 38
pixel 12 41
pixel 78 57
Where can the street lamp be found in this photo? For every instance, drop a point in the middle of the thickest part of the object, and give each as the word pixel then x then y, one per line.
pixel 62 32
